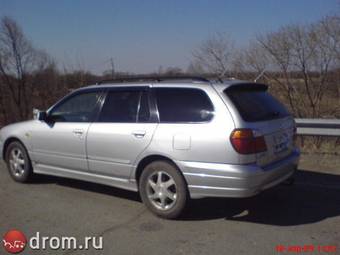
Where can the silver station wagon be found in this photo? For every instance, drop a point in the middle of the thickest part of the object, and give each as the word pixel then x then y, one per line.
pixel 170 139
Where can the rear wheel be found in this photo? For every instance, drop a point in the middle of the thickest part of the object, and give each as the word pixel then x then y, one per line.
pixel 163 189
pixel 18 162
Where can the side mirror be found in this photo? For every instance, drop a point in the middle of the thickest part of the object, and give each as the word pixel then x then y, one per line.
pixel 39 115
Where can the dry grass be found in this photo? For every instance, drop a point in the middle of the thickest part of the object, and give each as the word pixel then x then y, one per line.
pixel 319 145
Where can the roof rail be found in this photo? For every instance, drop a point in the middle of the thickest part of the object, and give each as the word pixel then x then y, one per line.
pixel 147 78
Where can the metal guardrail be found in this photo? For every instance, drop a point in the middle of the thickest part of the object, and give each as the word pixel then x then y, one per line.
pixel 322 127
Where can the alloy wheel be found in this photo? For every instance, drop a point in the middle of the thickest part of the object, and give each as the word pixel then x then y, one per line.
pixel 161 190
pixel 17 162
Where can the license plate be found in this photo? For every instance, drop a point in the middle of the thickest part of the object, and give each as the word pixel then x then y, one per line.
pixel 281 142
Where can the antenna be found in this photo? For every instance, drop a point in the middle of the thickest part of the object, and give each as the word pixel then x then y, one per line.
pixel 222 74
pixel 260 75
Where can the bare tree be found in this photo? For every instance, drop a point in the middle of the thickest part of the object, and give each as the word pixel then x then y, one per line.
pixel 3 112
pixel 330 27
pixel 303 57
pixel 18 59
pixel 252 60
pixel 215 54
pixel 195 68
pixel 173 71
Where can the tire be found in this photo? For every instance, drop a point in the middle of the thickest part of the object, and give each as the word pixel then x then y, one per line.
pixel 18 162
pixel 163 189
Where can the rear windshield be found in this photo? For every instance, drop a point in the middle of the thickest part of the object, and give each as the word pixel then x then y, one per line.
pixel 256 104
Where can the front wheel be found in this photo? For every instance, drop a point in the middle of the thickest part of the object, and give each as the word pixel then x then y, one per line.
pixel 163 189
pixel 18 162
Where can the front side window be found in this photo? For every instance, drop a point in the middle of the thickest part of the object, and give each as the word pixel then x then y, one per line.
pixel 77 108
pixel 183 105
pixel 125 107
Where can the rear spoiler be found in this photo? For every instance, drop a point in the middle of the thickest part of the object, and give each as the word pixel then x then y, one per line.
pixel 246 86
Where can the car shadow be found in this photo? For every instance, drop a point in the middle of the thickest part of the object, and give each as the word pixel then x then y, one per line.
pixel 87 186
pixel 314 197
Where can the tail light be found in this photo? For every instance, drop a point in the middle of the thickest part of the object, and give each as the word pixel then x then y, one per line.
pixel 245 141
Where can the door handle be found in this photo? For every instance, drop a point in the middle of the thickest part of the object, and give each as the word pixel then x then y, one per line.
pixel 139 133
pixel 78 132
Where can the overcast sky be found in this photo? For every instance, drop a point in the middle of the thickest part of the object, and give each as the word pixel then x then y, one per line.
pixel 142 35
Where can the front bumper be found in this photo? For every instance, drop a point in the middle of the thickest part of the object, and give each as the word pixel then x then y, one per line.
pixel 225 180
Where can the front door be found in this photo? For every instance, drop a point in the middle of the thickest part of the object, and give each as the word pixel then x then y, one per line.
pixel 59 142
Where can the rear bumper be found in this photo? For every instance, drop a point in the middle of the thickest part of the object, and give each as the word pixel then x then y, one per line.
pixel 225 180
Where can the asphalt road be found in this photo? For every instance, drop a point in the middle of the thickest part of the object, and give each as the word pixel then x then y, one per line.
pixel 307 213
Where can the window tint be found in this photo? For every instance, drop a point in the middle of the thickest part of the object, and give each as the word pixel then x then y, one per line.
pixel 183 105
pixel 78 108
pixel 125 107
pixel 256 105
pixel 144 109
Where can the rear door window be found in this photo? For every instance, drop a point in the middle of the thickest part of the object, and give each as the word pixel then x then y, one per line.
pixel 256 104
pixel 183 105
pixel 125 107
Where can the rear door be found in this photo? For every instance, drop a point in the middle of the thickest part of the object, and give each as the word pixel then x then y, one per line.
pixel 265 114
pixel 122 131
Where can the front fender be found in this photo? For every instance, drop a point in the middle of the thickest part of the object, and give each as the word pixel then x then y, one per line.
pixel 19 131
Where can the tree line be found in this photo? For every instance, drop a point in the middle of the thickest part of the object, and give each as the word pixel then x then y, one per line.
pixel 301 63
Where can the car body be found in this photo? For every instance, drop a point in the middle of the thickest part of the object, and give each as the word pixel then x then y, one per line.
pixel 206 130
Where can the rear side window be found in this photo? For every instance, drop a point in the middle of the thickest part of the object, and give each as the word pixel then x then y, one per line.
pixel 256 104
pixel 125 107
pixel 183 105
